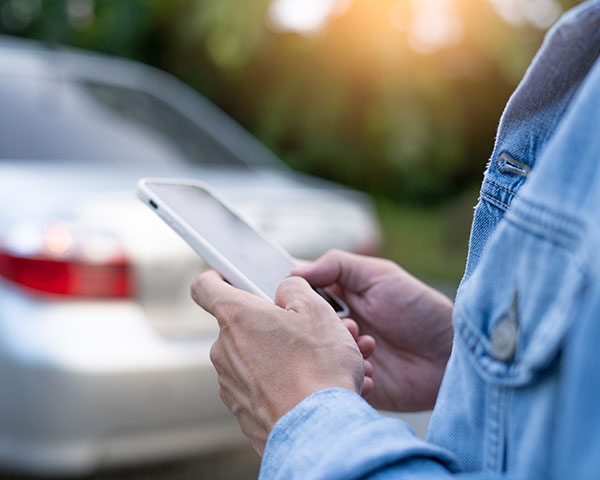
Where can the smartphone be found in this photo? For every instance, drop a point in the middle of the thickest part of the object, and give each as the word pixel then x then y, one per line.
pixel 229 244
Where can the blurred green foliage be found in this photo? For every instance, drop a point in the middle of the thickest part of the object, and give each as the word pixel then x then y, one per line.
pixel 428 241
pixel 356 102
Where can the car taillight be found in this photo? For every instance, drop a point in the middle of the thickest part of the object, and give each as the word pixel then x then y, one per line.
pixel 67 278
pixel 66 262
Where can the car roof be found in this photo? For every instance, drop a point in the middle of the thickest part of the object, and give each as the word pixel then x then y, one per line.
pixel 29 58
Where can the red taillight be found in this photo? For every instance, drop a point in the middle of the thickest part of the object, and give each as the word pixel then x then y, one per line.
pixel 72 278
pixel 59 259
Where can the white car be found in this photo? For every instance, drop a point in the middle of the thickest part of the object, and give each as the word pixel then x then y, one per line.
pixel 103 355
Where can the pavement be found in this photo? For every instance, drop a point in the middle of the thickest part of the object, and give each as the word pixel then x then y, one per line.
pixel 239 463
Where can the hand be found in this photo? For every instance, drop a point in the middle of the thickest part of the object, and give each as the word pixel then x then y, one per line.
pixel 410 322
pixel 270 357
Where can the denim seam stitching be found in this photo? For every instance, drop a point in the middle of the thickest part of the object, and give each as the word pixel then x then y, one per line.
pixel 513 374
pixel 545 229
pixel 510 192
pixel 489 433
pixel 503 392
pixel 481 341
pixel 495 200
pixel 545 233
pixel 576 222
pixel 515 371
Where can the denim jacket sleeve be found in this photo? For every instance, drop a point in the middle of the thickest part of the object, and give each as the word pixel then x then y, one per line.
pixel 531 410
pixel 335 434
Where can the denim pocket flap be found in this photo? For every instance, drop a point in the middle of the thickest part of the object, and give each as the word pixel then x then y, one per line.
pixel 514 310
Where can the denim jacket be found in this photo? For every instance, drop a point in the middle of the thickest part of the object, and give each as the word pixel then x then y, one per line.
pixel 520 396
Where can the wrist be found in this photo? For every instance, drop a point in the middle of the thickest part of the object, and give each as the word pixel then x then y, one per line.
pixel 293 398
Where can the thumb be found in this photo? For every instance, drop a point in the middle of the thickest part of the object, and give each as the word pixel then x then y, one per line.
pixel 350 271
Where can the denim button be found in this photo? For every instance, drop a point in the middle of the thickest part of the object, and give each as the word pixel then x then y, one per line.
pixel 505 334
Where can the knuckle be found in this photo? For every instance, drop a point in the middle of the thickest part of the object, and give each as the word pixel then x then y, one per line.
pixel 224 395
pixel 293 283
pixel 290 285
pixel 194 289
pixel 336 254
pixel 216 354
pixel 226 311
pixel 324 310
pixel 315 306
pixel 296 291
pixel 389 264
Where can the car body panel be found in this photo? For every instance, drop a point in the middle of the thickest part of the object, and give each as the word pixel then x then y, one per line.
pixel 99 382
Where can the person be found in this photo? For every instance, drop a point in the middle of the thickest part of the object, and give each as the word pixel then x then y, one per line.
pixel 512 368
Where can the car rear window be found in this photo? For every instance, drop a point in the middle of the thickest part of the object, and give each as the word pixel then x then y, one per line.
pixel 46 118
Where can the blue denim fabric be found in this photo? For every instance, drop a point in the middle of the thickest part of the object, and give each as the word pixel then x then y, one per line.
pixel 521 393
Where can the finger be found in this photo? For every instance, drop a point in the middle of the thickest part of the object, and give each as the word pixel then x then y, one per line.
pixel 216 296
pixel 368 386
pixel 294 293
pixel 300 263
pixel 227 397
pixel 352 327
pixel 366 345
pixel 368 368
pixel 336 266
pixel 216 355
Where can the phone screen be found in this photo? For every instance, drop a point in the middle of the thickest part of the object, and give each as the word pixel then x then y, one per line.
pixel 263 264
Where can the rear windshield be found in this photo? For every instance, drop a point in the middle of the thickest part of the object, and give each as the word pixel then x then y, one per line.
pixel 51 119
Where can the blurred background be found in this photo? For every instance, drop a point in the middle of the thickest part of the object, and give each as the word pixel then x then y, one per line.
pixel 397 99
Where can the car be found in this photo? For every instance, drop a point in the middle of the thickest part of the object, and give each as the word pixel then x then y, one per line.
pixel 104 357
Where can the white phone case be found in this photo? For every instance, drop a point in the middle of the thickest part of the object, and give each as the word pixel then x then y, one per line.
pixel 212 256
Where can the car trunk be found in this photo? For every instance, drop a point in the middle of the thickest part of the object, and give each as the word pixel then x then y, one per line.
pixel 305 219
